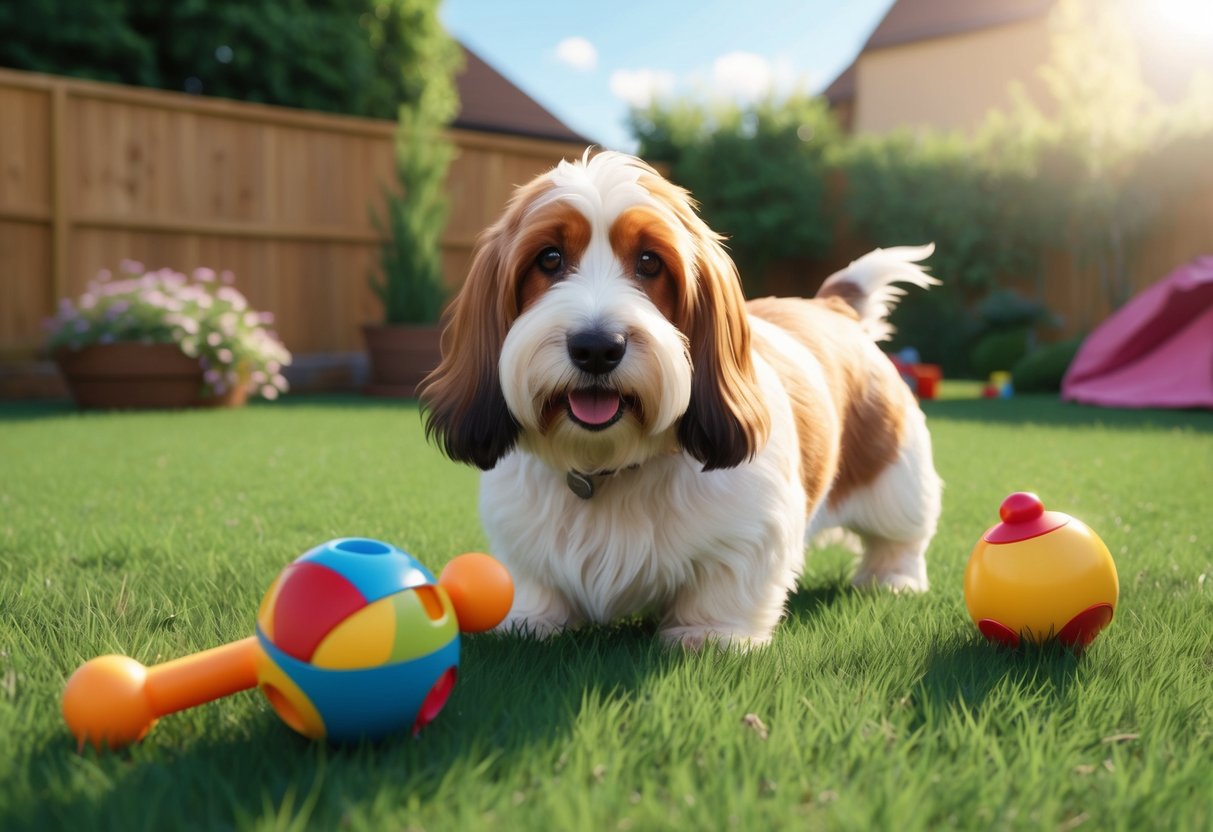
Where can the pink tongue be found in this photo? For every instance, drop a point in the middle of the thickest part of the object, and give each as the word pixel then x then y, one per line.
pixel 594 407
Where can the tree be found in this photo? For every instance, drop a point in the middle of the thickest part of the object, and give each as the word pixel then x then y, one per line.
pixel 410 283
pixel 342 56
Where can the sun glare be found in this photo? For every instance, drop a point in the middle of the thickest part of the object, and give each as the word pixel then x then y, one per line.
pixel 1189 18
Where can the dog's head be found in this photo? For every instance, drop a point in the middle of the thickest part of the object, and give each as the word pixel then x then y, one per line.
pixel 602 323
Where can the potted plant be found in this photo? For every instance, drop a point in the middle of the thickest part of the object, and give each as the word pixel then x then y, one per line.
pixel 409 281
pixel 162 339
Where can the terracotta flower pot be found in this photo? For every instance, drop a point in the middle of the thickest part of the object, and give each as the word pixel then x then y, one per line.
pixel 139 376
pixel 400 357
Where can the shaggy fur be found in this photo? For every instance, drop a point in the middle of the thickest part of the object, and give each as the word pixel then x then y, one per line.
pixel 601 341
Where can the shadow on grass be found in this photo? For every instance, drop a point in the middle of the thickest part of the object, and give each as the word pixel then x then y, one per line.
pixel 969 672
pixel 516 704
pixel 810 601
pixel 46 410
pixel 1044 409
pixel 517 698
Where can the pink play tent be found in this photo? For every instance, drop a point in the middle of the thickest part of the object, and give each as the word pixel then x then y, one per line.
pixel 1155 351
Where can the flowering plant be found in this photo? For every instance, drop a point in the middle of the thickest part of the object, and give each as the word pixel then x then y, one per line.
pixel 204 315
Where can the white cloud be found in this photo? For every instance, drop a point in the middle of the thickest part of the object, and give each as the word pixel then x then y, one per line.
pixel 578 53
pixel 745 76
pixel 639 87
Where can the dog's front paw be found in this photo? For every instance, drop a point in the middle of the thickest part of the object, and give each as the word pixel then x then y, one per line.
pixel 695 639
pixel 893 581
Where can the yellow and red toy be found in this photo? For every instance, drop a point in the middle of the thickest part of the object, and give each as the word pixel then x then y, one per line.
pixel 354 639
pixel 1039 575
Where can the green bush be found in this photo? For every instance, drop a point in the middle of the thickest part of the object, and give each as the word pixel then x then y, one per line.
pixel 758 172
pixel 936 325
pixel 983 210
pixel 343 56
pixel 999 350
pixel 1042 370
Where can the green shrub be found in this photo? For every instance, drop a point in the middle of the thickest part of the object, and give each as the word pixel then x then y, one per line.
pixel 1042 370
pixel 936 325
pixel 342 56
pixel 999 350
pixel 758 172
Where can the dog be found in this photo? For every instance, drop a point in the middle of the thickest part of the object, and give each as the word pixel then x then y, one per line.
pixel 650 441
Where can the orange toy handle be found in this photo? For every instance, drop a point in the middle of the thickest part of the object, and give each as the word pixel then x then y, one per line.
pixel 115 700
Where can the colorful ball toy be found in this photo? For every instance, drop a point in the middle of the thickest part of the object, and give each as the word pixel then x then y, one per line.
pixel 354 639
pixel 1039 575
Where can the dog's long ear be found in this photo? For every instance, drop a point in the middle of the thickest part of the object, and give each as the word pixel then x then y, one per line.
pixel 465 410
pixel 727 420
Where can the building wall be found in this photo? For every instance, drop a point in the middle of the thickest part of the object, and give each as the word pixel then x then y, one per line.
pixel 949 82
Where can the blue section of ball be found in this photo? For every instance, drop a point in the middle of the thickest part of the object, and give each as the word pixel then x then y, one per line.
pixel 376 569
pixel 368 703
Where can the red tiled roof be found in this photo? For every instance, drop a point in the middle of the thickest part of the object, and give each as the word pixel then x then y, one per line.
pixel 489 101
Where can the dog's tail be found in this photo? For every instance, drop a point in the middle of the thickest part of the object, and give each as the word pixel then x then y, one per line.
pixel 867 285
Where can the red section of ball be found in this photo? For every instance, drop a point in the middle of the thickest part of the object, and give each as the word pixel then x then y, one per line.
pixel 1023 517
pixel 1082 629
pixel 1021 507
pixel 312 600
pixel 435 699
pixel 995 631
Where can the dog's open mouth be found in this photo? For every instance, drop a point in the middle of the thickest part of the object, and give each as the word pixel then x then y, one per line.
pixel 596 408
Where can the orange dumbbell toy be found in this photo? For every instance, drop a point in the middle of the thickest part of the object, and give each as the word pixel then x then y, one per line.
pixel 354 639
pixel 1040 575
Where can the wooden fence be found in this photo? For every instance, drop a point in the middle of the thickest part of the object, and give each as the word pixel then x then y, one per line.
pixel 91 174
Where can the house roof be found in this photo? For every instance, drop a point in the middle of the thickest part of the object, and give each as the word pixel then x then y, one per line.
pixel 908 21
pixel 490 102
pixel 1168 59
pixel 912 20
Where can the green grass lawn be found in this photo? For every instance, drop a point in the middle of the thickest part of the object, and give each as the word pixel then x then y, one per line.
pixel 156 534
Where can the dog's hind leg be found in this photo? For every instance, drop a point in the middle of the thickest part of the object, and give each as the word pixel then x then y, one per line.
pixel 895 516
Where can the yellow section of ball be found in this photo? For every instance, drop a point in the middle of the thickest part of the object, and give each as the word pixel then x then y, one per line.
pixel 265 610
pixel 288 701
pixel 364 639
pixel 1035 586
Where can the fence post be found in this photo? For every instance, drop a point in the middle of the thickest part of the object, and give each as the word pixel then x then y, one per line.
pixel 59 191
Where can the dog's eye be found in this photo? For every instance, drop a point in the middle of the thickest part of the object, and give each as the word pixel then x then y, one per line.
pixel 649 265
pixel 550 261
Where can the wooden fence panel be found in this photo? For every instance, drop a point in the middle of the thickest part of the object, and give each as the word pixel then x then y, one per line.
pixel 92 174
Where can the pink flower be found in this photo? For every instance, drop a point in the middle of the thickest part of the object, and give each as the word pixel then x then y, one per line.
pixel 131 267
pixel 204 275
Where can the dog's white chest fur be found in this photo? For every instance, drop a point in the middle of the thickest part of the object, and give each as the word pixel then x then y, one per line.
pixel 644 536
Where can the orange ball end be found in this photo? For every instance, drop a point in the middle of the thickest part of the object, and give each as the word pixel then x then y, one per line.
pixel 481 590
pixel 104 702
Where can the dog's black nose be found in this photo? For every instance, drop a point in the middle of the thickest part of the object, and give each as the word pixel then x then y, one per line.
pixel 597 352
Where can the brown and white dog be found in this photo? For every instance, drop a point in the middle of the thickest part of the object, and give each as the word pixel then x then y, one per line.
pixel 652 441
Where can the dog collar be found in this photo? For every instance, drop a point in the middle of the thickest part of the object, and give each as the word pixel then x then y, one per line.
pixel 580 484
pixel 584 485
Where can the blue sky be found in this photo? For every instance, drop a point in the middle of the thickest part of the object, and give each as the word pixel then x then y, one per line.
pixel 586 62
